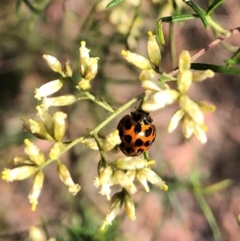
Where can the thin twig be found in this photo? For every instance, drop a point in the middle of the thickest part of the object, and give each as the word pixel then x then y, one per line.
pixel 228 34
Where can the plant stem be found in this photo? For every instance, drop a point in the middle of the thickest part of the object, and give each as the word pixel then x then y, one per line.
pixel 102 153
pixel 208 214
pixel 99 102
pixel 96 129
pixel 215 25
pixel 228 34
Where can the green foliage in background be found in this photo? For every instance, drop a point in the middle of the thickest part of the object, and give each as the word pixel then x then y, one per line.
pixel 75 109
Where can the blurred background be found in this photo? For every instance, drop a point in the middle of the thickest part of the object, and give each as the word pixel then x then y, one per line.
pixel 201 204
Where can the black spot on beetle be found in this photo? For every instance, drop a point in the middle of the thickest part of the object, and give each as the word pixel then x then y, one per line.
pixel 129 150
pixel 127 124
pixel 148 132
pixel 127 138
pixel 147 143
pixel 137 128
pixel 138 142
pixel 139 151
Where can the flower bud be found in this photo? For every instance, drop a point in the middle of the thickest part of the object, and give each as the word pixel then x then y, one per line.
pixel 59 125
pixel 153 50
pixel 68 69
pixel 168 96
pixel 142 179
pixel 176 118
pixel 192 109
pixel 111 141
pixel 105 174
pixel 131 174
pixel 91 143
pixel 101 166
pixel 117 201
pixel 154 85
pixel 83 58
pixel 184 62
pixel 124 181
pixel 200 133
pixel 56 150
pixel 150 105
pixel 187 127
pixel 84 84
pixel 129 206
pixel 205 107
pixel 147 74
pixel 34 153
pixel 160 99
pixel 36 189
pixel 58 101
pixel 18 173
pixel 238 219
pixel 53 63
pixel 92 68
pixel 105 190
pixel 36 234
pixel 137 60
pixel 22 160
pixel 130 163
pixel 66 178
pixel 36 128
pixel 48 89
pixel 199 76
pixel 153 178
pixel 46 119
pixel 184 80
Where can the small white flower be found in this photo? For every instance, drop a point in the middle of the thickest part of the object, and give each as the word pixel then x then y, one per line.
pixel 48 89
pixel 53 63
pixel 160 99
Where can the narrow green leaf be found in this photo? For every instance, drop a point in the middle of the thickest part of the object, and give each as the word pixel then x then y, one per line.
pixel 208 214
pixel 217 187
pixel 213 6
pixel 201 13
pixel 113 3
pixel 178 18
pixel 159 32
pixel 236 54
pixel 171 19
pixel 216 68
pixel 232 61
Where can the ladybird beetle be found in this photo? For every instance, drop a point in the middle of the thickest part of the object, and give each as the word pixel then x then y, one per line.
pixel 136 132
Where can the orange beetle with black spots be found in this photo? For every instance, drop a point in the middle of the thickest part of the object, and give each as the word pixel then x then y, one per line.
pixel 136 132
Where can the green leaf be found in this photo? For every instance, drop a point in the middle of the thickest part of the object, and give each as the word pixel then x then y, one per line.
pixel 171 19
pixel 232 61
pixel 112 3
pixel 159 31
pixel 213 6
pixel 208 214
pixel 200 12
pixel 178 18
pixel 216 68
pixel 223 184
